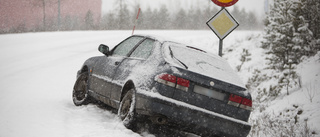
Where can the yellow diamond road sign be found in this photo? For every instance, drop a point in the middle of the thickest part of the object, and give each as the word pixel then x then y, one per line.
pixel 222 24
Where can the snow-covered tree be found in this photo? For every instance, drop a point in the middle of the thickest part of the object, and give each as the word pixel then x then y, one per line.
pixel 281 30
pixel 312 15
pixel 279 34
pixel 290 31
pixel 308 29
pixel 289 37
pixel 303 36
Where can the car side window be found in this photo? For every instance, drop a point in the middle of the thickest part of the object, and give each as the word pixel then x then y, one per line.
pixel 126 46
pixel 144 49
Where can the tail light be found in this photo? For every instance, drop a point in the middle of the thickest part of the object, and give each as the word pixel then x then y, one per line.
pixel 173 81
pixel 246 104
pixel 183 84
pixel 241 102
pixel 234 100
pixel 167 79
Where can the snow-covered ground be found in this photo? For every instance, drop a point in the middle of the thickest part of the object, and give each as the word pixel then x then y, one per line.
pixel 292 111
pixel 38 71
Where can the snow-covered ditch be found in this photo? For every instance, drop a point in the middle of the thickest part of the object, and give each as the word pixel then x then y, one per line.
pixel 38 71
pixel 296 114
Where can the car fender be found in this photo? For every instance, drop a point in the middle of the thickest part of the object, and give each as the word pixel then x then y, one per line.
pixel 88 65
pixel 126 87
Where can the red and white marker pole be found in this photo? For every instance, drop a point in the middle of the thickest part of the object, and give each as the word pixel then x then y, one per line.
pixel 134 27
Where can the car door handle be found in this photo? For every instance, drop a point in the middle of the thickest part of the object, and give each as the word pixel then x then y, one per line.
pixel 117 63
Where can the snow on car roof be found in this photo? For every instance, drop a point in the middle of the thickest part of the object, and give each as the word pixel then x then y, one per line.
pixel 161 39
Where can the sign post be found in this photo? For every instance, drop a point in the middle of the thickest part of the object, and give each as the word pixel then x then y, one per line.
pixel 220 47
pixel 222 23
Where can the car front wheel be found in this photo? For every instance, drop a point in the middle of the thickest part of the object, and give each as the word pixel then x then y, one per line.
pixel 80 90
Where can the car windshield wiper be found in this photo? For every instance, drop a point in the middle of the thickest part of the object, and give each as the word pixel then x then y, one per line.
pixel 171 54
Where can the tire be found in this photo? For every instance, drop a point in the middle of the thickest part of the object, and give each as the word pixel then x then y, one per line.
pixel 126 110
pixel 80 90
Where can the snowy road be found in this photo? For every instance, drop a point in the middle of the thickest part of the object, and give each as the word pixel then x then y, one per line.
pixel 38 71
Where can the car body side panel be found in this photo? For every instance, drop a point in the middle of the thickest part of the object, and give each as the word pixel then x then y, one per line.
pixel 102 74
pixel 104 69
pixel 108 77
pixel 121 76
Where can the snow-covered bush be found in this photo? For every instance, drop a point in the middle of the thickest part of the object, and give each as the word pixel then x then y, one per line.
pixel 288 78
pixel 278 114
pixel 245 56
pixel 311 91
pixel 285 124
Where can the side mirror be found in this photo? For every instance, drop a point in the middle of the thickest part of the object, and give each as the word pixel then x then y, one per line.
pixel 104 49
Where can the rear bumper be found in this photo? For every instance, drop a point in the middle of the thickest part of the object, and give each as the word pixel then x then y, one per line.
pixel 188 117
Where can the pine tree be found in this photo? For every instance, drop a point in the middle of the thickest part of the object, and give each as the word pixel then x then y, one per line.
pixel 289 77
pixel 247 20
pixel 252 22
pixel 312 15
pixel 291 32
pixel 197 22
pixel 279 34
pixel 89 21
pixel 310 28
pixel 281 29
pixel 163 18
pixel 124 19
pixel 109 22
pixel 181 19
pixel 147 19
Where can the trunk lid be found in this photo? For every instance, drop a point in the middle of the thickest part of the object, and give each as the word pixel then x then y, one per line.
pixel 212 84
pixel 209 93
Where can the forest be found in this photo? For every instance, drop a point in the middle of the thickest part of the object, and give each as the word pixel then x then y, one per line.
pixel 123 17
pixel 192 18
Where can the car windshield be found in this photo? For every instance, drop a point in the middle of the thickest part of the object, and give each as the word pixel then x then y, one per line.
pixel 198 61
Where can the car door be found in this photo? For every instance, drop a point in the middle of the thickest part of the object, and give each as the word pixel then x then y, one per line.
pixel 129 65
pixel 105 68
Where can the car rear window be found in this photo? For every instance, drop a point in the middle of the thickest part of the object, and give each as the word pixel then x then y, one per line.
pixel 200 62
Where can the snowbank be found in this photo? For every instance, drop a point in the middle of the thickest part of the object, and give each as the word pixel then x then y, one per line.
pixel 39 69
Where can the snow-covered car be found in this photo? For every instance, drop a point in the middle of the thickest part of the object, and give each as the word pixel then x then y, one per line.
pixel 148 78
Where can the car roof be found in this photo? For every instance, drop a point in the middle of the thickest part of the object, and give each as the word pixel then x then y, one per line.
pixel 158 38
pixel 164 39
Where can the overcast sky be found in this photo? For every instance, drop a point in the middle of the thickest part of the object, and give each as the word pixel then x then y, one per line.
pixel 174 5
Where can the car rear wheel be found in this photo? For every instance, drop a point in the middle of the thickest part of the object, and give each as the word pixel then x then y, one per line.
pixel 126 110
pixel 80 90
